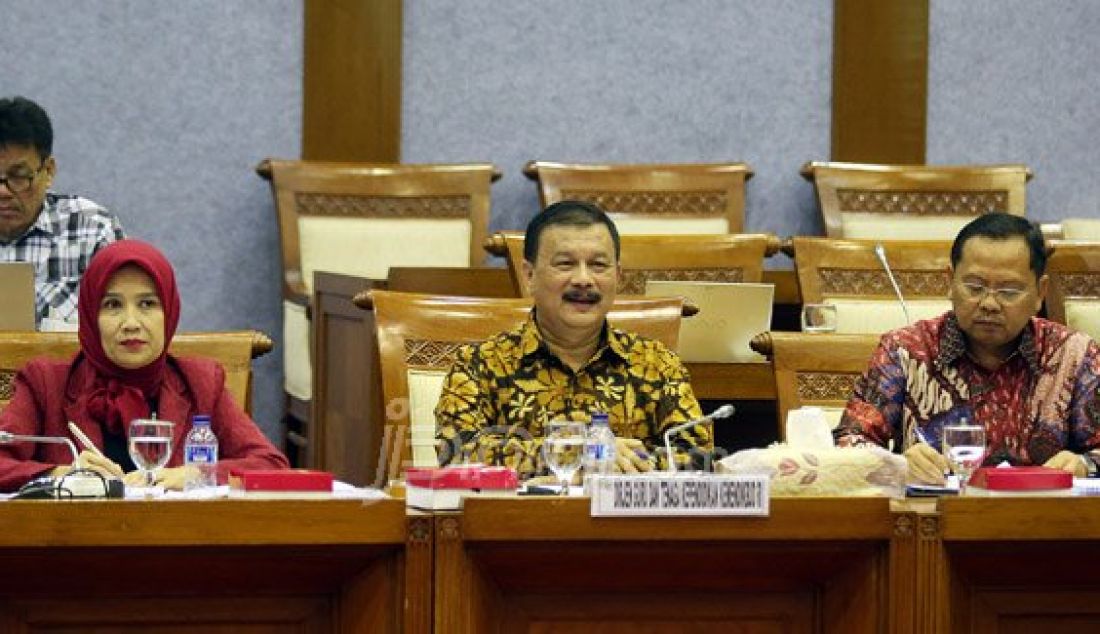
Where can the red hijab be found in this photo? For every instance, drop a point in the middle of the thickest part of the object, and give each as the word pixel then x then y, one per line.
pixel 118 394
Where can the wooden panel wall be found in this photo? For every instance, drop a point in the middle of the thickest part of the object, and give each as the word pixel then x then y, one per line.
pixel 880 81
pixel 352 82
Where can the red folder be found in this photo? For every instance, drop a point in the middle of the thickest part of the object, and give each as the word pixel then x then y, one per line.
pixel 280 480
pixel 1021 478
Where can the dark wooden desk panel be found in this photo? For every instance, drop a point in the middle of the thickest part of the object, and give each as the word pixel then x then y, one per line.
pixel 544 565
pixel 1015 564
pixel 210 566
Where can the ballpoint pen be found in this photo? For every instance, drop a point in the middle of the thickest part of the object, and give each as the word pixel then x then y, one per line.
pixel 84 440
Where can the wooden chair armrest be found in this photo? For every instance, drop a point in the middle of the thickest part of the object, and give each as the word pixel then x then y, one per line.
pixel 530 171
pixel 775 243
pixel 364 300
pixel 494 245
pixel 762 344
pixel 261 344
pixel 263 169
pixel 786 247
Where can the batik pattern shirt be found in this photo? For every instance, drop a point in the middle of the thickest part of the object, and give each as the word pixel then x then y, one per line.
pixel 499 394
pixel 1041 400
pixel 67 233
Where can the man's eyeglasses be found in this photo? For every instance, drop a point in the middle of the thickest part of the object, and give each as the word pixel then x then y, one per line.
pixel 20 181
pixel 976 292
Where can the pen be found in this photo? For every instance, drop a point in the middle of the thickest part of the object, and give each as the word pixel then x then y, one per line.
pixel 84 440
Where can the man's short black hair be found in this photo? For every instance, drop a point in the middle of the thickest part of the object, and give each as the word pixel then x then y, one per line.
pixel 25 123
pixel 569 213
pixel 1002 226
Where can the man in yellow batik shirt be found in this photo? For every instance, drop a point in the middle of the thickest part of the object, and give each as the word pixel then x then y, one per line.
pixel 566 362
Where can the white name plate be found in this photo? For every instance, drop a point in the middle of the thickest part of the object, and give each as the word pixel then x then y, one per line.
pixel 677 495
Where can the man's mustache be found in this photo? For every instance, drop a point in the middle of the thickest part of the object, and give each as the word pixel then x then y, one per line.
pixel 583 296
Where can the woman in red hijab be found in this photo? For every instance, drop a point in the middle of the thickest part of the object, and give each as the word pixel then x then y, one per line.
pixel 129 308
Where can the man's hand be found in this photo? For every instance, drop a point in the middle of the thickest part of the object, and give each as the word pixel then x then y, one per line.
pixel 631 456
pixel 926 465
pixel 1068 461
pixel 172 479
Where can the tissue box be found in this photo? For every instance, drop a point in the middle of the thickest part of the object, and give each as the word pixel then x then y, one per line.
pixel 826 471
pixel 442 489
pixel 1021 478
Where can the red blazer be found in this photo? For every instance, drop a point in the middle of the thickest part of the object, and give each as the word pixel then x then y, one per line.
pixel 50 393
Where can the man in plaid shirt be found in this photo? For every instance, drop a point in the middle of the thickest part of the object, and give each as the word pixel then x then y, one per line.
pixel 55 232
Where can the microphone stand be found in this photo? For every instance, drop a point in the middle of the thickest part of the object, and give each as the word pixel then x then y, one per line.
pixel 880 253
pixel 6 437
pixel 83 486
pixel 722 412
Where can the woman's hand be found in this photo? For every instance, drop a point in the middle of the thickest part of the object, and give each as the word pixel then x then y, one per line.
pixel 172 478
pixel 90 460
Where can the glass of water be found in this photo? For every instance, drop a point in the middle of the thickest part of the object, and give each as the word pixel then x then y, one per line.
pixel 964 448
pixel 150 446
pixel 562 448
pixel 818 318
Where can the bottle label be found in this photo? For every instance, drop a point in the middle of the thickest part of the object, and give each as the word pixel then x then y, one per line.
pixel 200 454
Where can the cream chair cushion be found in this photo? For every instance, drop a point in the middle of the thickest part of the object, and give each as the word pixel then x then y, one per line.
pixel 369 247
pixel 425 386
pixel 297 368
pixel 628 224
pixel 1081 229
pixel 873 316
pixel 1084 315
pixel 876 226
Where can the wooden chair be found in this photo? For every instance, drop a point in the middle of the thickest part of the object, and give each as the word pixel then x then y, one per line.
pixel 912 202
pixel 1074 295
pixel 419 336
pixel 703 258
pixel 233 350
pixel 814 369
pixel 847 274
pixel 652 198
pixel 360 219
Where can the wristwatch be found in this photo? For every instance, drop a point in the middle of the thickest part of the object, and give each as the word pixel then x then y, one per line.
pixel 1090 464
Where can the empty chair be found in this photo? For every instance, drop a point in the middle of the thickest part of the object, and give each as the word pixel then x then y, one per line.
pixel 849 275
pixel 912 202
pixel 652 198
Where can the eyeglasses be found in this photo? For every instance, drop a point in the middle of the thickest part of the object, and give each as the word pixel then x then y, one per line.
pixel 976 292
pixel 19 182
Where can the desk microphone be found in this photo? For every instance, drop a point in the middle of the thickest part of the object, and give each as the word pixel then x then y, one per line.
pixel 880 253
pixel 722 412
pixel 80 483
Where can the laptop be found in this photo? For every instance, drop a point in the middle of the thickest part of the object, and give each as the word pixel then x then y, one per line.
pixel 730 315
pixel 17 289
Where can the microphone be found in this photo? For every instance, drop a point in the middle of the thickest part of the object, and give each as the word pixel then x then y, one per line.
pixel 76 484
pixel 722 412
pixel 880 253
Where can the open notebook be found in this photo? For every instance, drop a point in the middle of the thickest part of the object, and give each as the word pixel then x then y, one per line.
pixel 17 289
pixel 730 315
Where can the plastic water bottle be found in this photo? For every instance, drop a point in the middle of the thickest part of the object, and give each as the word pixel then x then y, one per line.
pixel 200 450
pixel 599 446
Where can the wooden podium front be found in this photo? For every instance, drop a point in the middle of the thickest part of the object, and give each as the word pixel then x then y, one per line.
pixel 210 566
pixel 544 565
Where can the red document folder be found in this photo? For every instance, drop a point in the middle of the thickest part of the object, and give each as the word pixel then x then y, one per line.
pixel 1021 478
pixel 280 480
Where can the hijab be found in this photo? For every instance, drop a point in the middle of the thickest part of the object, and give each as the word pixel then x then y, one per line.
pixel 119 395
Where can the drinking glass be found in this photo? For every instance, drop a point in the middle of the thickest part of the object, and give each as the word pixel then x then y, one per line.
pixel 562 448
pixel 150 445
pixel 964 448
pixel 818 318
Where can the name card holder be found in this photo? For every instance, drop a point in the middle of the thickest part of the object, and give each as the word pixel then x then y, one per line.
pixel 679 495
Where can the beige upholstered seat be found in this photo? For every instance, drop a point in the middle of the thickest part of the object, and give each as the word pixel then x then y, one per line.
pixel 848 274
pixel 652 198
pixel 815 369
pixel 360 219
pixel 419 336
pixel 1080 229
pixel 233 350
pixel 703 258
pixel 912 202
pixel 1074 295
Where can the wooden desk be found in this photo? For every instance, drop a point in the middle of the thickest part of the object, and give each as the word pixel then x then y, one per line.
pixel 526 565
pixel 213 566
pixel 1016 564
